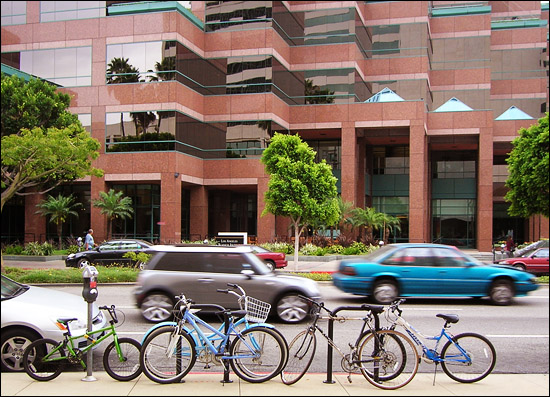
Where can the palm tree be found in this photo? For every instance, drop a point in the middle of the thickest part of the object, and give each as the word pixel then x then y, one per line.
pixel 390 223
pixel 120 71
pixel 58 209
pixel 114 206
pixel 165 71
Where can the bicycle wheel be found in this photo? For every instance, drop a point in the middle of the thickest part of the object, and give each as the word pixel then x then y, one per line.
pixel 300 355
pixel 259 354
pixel 128 367
pixel 166 357
pixel 44 359
pixel 479 361
pixel 387 359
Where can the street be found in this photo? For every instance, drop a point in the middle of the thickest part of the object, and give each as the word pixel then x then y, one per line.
pixel 519 332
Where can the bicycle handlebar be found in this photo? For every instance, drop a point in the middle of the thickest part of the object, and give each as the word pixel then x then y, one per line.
pixel 111 311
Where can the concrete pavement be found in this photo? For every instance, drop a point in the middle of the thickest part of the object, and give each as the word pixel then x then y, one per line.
pixel 209 384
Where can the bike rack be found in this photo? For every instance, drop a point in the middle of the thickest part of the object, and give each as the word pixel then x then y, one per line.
pixel 331 333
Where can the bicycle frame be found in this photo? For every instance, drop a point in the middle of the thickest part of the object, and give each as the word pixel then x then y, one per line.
pixel 432 354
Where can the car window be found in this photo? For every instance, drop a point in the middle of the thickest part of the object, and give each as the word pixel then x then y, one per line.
pixel 109 246
pixel 178 261
pixel 542 253
pixel 129 245
pixel 411 256
pixel 226 263
pixel 448 257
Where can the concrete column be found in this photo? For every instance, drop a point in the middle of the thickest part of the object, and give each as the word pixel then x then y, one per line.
pixel 419 197
pixel 35 225
pixel 170 208
pixel 350 166
pixel 484 216
pixel 266 223
pixel 198 222
pixel 97 219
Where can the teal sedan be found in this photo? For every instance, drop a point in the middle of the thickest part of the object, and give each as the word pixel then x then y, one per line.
pixel 421 269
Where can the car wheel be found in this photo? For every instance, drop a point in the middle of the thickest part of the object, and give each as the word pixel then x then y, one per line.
pixel 502 292
pixel 292 309
pixel 385 291
pixel 82 263
pixel 157 307
pixel 14 342
pixel 270 265
pixel 519 266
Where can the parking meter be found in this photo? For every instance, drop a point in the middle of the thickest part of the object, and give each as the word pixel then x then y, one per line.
pixel 89 292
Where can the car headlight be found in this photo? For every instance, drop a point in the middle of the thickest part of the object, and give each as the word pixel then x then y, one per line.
pixel 71 256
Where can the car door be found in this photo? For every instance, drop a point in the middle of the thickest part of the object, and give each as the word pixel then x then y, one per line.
pixel 105 252
pixel 537 262
pixel 458 276
pixel 124 247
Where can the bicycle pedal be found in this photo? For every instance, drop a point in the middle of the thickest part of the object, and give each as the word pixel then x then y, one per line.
pixel 349 378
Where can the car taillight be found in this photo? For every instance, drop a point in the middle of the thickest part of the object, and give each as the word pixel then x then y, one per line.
pixel 348 271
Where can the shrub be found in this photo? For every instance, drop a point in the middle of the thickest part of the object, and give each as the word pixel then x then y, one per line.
pixel 334 249
pixel 310 249
pixel 14 249
pixel 285 248
pixel 72 249
pixel 35 248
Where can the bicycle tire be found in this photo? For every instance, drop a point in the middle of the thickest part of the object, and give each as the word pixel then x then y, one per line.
pixel 246 363
pixel 164 368
pixel 388 359
pixel 300 356
pixel 402 364
pixel 36 351
pixel 127 369
pixel 481 352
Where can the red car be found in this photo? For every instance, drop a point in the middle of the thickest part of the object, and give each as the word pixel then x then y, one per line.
pixel 535 262
pixel 273 260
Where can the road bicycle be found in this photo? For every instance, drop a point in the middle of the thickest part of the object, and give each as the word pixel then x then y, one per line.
pixel 44 359
pixel 255 352
pixel 466 358
pixel 386 358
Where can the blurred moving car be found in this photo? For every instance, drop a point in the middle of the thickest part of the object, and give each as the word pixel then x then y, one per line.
pixel 108 253
pixel 273 260
pixel 535 262
pixel 30 313
pixel 417 269
pixel 199 270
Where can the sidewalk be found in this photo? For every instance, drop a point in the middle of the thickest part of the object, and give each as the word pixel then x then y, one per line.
pixel 209 384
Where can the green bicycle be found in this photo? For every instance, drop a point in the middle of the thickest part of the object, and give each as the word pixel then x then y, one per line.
pixel 45 359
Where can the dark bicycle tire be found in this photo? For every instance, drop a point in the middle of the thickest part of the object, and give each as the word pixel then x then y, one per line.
pixel 399 342
pixel 300 356
pixel 32 359
pixel 273 353
pixel 388 359
pixel 127 369
pixel 480 350
pixel 153 359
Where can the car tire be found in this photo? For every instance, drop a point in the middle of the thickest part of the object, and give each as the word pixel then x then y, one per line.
pixel 385 291
pixel 82 263
pixel 270 265
pixel 157 307
pixel 502 292
pixel 14 342
pixel 292 309
pixel 519 266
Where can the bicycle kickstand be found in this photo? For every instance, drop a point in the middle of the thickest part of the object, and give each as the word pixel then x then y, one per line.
pixel 435 371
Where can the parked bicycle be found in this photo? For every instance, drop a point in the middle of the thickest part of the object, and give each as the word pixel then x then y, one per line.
pixel 466 358
pixel 44 359
pixel 386 358
pixel 255 352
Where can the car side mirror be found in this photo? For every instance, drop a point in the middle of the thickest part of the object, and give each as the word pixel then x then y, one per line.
pixel 248 273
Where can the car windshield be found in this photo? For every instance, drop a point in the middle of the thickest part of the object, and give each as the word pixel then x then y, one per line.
pixel 11 289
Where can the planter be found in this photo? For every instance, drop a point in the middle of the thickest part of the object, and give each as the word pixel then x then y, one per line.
pixel 33 258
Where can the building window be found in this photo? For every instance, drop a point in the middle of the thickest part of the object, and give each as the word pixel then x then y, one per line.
pixel 453 222
pixel 14 12
pixel 67 10
pixel 67 67
pixel 390 160
pixel 458 169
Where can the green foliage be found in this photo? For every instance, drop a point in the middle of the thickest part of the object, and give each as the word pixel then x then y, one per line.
pixel 298 187
pixel 285 248
pixel 12 249
pixel 310 249
pixel 114 206
pixel 72 249
pixel 528 166
pixel 335 249
pixel 140 257
pixel 43 144
pixel 58 209
pixel 35 248
pixel 71 275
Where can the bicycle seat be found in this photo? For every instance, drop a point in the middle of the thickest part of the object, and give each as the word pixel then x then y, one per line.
pixel 377 309
pixel 451 318
pixel 66 320
pixel 236 313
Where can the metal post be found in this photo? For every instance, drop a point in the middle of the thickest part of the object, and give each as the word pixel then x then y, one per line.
pixel 329 352
pixel 89 359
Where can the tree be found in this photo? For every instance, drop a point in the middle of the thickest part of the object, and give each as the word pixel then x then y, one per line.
pixel 114 206
pixel 58 209
pixel 528 167
pixel 298 187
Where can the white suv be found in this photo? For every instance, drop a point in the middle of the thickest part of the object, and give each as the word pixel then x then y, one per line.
pixel 199 270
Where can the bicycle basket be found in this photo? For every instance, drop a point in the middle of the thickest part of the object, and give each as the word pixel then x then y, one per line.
pixel 256 310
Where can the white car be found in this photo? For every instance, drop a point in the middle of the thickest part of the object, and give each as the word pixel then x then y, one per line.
pixel 30 313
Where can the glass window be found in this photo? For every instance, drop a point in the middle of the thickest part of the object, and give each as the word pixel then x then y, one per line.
pixel 391 160
pixel 67 10
pixel 420 256
pixel 446 257
pixel 14 12
pixel 231 15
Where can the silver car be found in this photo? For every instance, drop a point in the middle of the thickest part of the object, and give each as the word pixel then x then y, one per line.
pixel 199 270
pixel 30 313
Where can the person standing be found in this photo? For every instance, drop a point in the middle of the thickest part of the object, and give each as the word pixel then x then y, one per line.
pixel 89 240
pixel 509 246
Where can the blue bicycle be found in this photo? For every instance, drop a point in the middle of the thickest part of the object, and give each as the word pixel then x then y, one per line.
pixel 465 358
pixel 255 350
